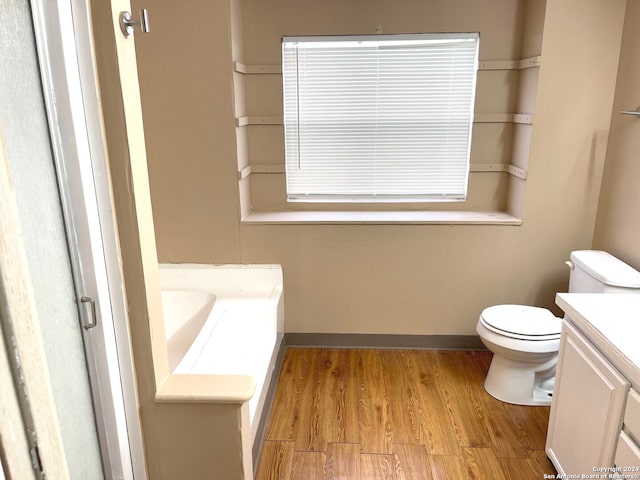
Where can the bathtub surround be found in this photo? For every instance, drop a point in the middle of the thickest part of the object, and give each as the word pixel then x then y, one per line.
pixel 185 313
pixel 225 321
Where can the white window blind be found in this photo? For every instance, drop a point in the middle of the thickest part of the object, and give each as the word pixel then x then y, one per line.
pixel 378 118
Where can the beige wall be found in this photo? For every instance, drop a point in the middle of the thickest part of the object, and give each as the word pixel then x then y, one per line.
pixel 263 25
pixel 618 225
pixel 187 99
pixel 430 279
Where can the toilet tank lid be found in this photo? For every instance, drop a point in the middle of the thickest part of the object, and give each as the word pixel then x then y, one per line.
pixel 522 320
pixel 606 268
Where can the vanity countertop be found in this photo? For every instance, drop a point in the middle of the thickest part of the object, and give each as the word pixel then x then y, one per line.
pixel 612 323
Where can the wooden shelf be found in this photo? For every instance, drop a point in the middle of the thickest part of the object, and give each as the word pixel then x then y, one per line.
pixel 478 118
pixel 240 67
pixel 477 169
pixel 260 120
pixel 499 167
pixel 503 118
pixel 483 65
pixel 509 64
pixel 474 168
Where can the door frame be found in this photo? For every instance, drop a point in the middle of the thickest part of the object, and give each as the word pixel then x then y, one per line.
pixel 66 56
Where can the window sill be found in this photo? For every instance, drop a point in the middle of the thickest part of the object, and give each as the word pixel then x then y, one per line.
pixel 379 218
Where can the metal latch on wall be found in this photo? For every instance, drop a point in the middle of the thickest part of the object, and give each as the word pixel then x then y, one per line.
pixel 127 24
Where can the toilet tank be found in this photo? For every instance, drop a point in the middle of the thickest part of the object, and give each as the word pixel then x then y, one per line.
pixel 595 271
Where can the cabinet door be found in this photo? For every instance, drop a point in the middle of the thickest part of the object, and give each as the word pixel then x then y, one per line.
pixel 586 413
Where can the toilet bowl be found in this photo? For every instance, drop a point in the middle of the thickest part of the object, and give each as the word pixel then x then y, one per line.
pixel 525 342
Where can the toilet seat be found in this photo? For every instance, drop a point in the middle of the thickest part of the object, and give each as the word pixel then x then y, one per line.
pixel 522 322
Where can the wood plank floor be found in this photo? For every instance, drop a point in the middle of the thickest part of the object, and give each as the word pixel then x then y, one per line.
pixel 397 414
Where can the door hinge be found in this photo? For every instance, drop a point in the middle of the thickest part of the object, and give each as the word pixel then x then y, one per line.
pixel 36 461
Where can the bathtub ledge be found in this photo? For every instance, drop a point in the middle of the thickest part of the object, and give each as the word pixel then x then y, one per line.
pixel 206 389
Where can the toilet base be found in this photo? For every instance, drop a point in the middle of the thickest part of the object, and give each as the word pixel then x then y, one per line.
pixel 521 383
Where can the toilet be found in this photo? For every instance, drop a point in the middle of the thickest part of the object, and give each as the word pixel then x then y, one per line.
pixel 525 340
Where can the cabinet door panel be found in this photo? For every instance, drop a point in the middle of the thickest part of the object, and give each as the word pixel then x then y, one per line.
pixel 632 415
pixel 627 454
pixel 586 413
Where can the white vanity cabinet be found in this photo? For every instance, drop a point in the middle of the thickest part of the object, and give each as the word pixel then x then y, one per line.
pixel 594 425
pixel 587 408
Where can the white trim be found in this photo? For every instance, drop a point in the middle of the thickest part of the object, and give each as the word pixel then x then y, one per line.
pixel 384 39
pixel 64 40
pixel 97 145
pixel 379 218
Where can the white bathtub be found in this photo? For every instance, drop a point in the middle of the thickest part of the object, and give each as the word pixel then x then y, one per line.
pixel 224 320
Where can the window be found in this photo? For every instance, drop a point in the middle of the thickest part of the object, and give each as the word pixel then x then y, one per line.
pixel 381 118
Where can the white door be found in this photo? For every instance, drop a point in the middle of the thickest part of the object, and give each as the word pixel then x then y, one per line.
pixel 28 148
pixel 65 213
